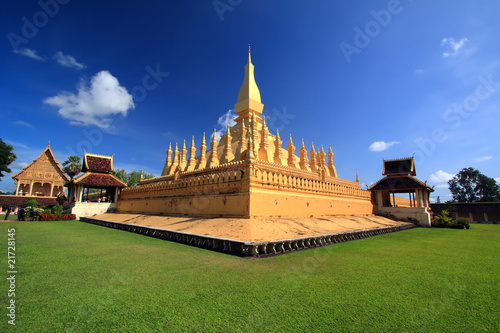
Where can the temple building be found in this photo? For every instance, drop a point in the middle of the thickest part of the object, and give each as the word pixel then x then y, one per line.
pixel 248 173
pixel 400 178
pixel 41 178
pixel 97 174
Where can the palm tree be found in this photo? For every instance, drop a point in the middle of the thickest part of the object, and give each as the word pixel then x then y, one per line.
pixel 72 166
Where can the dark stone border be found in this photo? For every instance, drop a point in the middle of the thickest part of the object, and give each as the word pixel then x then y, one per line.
pixel 245 249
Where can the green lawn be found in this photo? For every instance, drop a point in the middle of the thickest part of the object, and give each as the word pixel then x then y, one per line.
pixel 11 217
pixel 77 277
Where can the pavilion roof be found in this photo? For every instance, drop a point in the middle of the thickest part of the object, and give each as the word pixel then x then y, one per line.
pixel 97 163
pixel 399 167
pixel 399 184
pixel 99 180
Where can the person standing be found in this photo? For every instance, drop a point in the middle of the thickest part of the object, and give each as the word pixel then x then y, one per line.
pixel 7 213
pixel 20 214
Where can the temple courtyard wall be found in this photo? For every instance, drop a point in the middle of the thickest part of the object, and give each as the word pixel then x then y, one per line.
pixel 247 190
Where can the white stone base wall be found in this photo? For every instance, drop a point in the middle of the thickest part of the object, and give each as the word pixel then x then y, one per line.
pixel 89 209
pixel 419 214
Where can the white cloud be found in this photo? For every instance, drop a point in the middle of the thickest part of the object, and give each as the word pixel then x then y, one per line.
pixel 29 53
pixel 452 47
pixel 483 158
pixel 381 145
pixel 441 177
pixel 442 186
pixel 94 104
pixel 497 180
pixel 23 123
pixel 16 144
pixel 67 61
pixel 223 121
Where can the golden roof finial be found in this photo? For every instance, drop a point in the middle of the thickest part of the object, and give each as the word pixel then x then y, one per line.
pixel 249 95
pixel 249 57
pixel 214 138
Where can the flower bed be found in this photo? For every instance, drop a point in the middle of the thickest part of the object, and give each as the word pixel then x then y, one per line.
pixel 59 217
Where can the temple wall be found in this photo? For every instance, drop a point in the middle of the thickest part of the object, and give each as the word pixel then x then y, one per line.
pixel 403 202
pixel 209 205
pixel 273 203
pixel 250 190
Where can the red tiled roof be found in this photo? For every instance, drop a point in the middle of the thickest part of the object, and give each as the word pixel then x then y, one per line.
pixel 99 180
pixel 97 163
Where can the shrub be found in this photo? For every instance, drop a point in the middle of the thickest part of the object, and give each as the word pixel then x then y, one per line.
pixel 57 210
pixel 443 220
pixel 463 222
pixel 31 203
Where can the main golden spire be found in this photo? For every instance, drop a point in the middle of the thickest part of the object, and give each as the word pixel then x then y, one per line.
pixel 249 95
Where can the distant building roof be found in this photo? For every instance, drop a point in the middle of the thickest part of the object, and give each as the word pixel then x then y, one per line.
pixel 97 163
pixel 399 167
pixel 17 200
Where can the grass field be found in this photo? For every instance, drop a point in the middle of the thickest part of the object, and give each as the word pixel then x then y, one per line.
pixel 77 277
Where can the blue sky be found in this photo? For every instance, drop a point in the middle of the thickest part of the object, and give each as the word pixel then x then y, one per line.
pixel 375 79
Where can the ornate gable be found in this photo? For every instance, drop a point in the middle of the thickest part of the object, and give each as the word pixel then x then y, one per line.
pixel 43 168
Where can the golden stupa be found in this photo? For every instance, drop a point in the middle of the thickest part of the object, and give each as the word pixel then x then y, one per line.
pixel 247 174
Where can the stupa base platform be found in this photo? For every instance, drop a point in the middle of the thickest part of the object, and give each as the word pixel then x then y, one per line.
pixel 256 237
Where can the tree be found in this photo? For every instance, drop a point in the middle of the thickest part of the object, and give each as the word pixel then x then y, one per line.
pixel 6 157
pixel 121 175
pixel 72 166
pixel 134 177
pixel 470 185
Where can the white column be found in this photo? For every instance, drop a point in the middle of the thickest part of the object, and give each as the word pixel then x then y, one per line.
pixel 117 191
pixel 51 189
pixel 80 193
pixel 17 188
pixel 31 188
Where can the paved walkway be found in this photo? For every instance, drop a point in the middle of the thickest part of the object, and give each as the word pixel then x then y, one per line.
pixel 254 230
